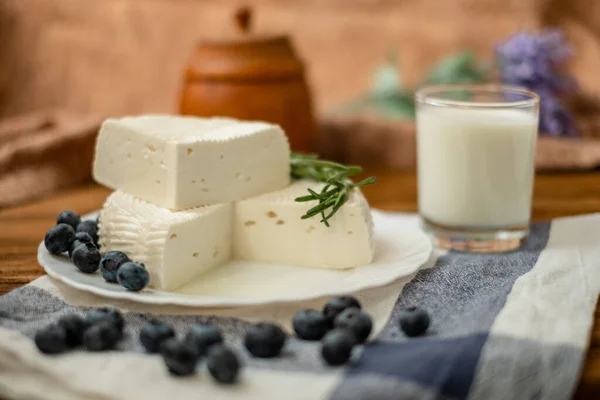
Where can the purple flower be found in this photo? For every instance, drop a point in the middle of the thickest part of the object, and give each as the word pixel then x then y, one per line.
pixel 555 119
pixel 556 45
pixel 547 46
pixel 533 60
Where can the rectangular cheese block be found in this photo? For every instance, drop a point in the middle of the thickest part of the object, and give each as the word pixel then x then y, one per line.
pixel 268 228
pixel 181 162
pixel 175 246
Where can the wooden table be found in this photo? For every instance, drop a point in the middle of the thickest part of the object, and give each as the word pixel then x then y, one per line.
pixel 22 228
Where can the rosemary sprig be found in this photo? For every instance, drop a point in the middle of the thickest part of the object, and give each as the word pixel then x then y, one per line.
pixel 338 183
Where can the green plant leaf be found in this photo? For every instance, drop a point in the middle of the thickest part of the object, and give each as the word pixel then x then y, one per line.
pixel 396 105
pixel 400 104
pixel 338 184
pixel 386 79
pixel 457 68
pixel 387 97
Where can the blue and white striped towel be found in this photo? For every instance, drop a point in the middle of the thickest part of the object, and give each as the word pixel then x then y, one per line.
pixel 504 326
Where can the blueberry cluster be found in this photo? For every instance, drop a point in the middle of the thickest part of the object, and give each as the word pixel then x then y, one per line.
pixel 181 356
pixel 340 327
pixel 98 330
pixel 101 330
pixel 80 239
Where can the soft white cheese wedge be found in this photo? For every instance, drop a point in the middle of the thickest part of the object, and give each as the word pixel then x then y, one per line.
pixel 180 162
pixel 268 228
pixel 175 246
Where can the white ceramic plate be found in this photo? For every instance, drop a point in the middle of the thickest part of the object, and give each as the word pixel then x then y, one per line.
pixel 401 249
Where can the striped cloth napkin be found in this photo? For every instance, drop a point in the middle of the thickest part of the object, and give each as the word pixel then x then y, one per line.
pixel 504 326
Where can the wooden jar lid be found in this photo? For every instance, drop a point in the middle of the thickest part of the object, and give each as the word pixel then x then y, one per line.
pixel 246 56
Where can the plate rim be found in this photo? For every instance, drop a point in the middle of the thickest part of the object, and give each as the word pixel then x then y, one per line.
pixel 159 297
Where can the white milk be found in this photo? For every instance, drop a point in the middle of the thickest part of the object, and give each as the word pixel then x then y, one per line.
pixel 475 166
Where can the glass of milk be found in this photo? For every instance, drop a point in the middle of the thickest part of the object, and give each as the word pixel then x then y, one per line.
pixel 476 156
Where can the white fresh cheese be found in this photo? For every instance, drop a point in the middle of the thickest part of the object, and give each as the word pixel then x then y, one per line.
pixel 175 246
pixel 182 162
pixel 268 228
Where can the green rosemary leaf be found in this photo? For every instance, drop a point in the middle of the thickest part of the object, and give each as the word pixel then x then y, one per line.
pixel 304 199
pixel 324 220
pixel 354 169
pixel 311 213
pixel 369 181
pixel 313 193
pixel 336 206
pixel 326 164
pixel 338 183
pixel 330 192
pixel 321 206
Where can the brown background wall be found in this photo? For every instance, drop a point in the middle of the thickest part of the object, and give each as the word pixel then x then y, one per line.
pixel 126 56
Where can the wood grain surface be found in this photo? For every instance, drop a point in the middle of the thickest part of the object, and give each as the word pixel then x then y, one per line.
pixel 116 57
pixel 22 228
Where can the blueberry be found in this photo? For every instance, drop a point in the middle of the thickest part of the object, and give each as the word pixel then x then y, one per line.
pixel 337 346
pixel 101 337
pixel 179 356
pixel 84 237
pixel 310 324
pixel 59 238
pixel 86 257
pixel 356 321
pixel 203 337
pixel 52 340
pixel 414 321
pixel 153 334
pixel 110 314
pixel 90 227
pixel 110 263
pixel 223 364
pixel 337 305
pixel 76 243
pixel 80 238
pixel 74 326
pixel 68 217
pixel 264 340
pixel 133 276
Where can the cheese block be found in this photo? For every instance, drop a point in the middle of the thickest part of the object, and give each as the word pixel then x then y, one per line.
pixel 268 228
pixel 180 162
pixel 175 246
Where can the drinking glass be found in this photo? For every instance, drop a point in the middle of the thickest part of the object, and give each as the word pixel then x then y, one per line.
pixel 476 157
